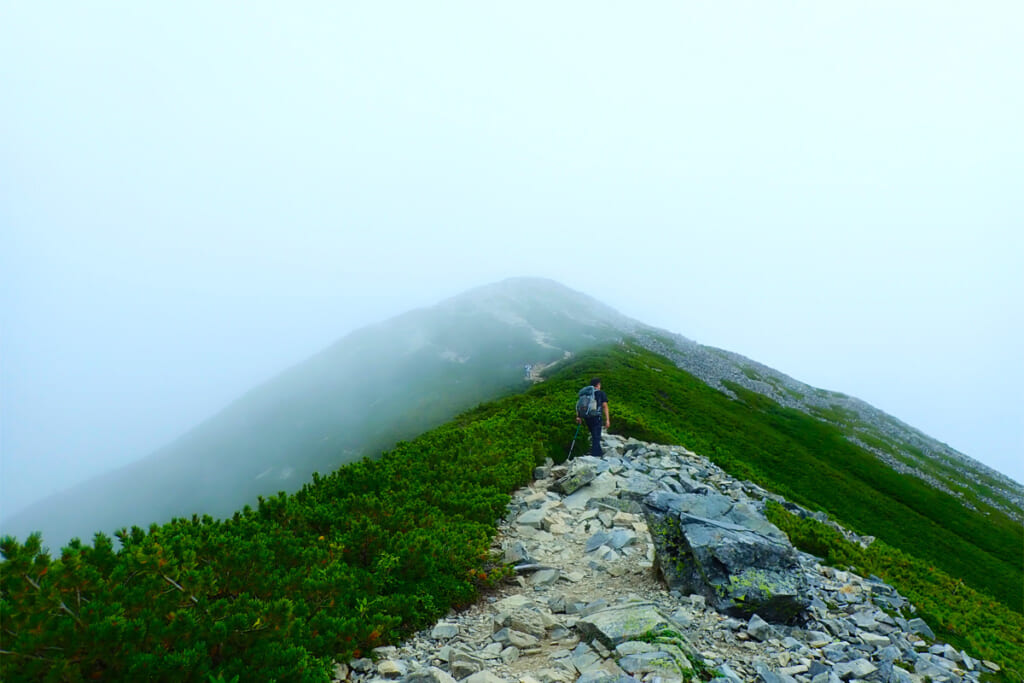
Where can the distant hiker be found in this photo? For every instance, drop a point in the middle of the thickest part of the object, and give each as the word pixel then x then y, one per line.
pixel 590 408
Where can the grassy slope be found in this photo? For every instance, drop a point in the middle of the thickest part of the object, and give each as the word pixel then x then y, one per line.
pixel 963 568
pixel 810 462
pixel 378 548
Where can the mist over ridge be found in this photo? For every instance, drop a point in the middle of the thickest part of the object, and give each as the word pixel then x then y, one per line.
pixel 377 385
pixel 392 380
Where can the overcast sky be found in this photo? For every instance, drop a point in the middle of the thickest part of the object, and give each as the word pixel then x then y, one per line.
pixel 195 196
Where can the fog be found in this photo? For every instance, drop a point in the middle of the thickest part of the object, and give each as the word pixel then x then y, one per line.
pixel 194 198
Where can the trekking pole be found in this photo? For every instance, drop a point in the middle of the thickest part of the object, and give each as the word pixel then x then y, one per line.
pixel 573 445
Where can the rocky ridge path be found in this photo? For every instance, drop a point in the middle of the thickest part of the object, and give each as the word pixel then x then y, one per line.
pixel 589 605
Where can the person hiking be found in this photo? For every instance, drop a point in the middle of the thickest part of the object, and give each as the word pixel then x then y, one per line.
pixel 594 418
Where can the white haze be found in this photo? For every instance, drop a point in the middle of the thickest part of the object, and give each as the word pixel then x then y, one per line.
pixel 194 197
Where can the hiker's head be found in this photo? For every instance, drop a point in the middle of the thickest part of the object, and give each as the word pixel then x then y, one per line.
pixel 596 382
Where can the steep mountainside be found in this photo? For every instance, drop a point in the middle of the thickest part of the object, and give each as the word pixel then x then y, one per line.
pixel 899 445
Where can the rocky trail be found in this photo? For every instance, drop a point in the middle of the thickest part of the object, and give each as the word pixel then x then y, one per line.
pixel 597 598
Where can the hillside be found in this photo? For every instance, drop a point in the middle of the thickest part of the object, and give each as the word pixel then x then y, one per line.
pixel 393 380
pixel 380 548
pixel 811 462
pixel 374 387
pixel 899 445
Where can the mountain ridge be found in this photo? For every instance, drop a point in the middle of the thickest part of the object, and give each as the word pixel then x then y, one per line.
pixel 381 548
pixel 353 399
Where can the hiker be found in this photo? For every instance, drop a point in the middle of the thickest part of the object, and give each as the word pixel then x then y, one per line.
pixel 593 417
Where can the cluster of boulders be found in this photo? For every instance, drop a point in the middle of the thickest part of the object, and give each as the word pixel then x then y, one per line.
pixel 652 564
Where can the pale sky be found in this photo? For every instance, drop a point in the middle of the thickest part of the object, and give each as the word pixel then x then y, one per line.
pixel 195 196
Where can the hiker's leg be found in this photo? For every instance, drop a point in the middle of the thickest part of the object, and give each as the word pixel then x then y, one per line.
pixel 595 437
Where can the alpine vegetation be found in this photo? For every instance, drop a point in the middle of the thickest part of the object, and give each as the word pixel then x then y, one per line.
pixel 309 585
pixel 775 539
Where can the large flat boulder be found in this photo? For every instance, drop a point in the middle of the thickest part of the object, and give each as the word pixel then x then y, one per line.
pixel 616 625
pixel 728 552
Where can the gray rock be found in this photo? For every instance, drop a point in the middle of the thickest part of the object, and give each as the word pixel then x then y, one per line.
pixel 431 675
pixel 919 627
pixel 584 658
pixel 545 577
pixel 464 664
pixel 766 675
pixel 898 675
pixel 580 476
pixel 659 662
pixel 362 665
pixel 712 506
pixel 532 518
pixel 864 620
pixel 596 541
pixel 601 487
pixel 932 667
pixel 392 668
pixel 837 652
pixel 874 640
pixel 527 621
pixel 682 618
pixel 575 607
pixel 621 505
pixel 742 514
pixel 517 553
pixel 792 644
pixel 637 486
pixel 729 674
pixel 760 629
pixel 859 668
pixel 622 538
pixel 492 651
pixel 633 647
pixel 816 668
pixel 673 485
pixel 826 677
pixel 596 676
pixel 739 570
pixel 817 638
pixel 509 636
pixel 444 631
pixel 592 607
pixel 818 606
pixel 889 653
pixel 559 632
pixel 616 625
pixel 484 677
pixel 602 676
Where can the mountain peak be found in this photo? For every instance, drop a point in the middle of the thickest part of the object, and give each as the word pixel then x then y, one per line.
pixel 532 297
